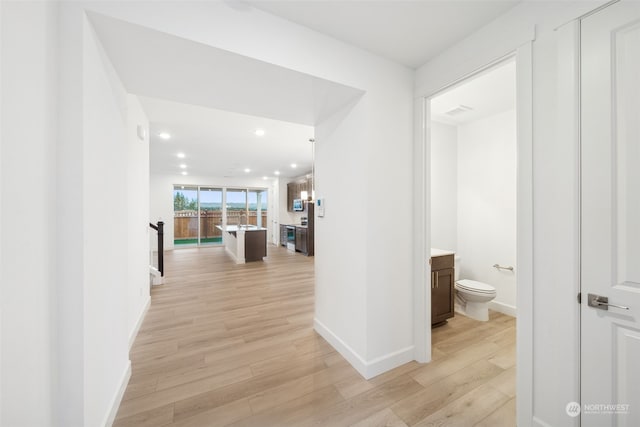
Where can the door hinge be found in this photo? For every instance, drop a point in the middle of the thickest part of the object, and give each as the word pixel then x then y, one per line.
pixel 579 297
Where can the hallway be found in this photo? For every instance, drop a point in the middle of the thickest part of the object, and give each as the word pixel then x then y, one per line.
pixel 227 344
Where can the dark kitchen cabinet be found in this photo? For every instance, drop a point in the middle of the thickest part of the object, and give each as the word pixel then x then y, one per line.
pixel 301 240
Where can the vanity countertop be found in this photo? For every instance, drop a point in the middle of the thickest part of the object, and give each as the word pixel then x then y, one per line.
pixel 440 252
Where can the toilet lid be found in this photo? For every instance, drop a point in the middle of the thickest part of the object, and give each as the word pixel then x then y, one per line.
pixel 475 286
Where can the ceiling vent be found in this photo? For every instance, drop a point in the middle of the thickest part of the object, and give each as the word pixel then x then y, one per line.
pixel 458 109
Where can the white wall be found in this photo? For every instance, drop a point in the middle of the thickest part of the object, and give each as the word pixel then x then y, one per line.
pixel 487 204
pixel 137 215
pixel 161 201
pixel 106 310
pixel 101 287
pixel 28 222
pixel 556 251
pixel 444 186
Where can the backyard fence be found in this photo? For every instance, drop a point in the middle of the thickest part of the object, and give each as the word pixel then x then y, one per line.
pixel 185 223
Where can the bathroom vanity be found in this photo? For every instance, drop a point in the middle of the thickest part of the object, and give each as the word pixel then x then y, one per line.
pixel 442 286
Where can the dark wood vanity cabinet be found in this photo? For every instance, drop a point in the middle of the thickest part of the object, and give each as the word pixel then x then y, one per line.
pixel 442 288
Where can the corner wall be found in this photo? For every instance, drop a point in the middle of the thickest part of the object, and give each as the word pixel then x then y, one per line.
pixel 102 280
pixel 105 144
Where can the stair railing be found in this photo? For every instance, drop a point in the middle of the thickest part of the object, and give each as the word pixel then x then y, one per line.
pixel 159 227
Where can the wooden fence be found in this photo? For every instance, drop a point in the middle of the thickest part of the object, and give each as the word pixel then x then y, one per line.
pixel 185 223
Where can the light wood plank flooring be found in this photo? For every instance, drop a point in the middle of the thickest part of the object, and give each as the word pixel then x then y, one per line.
pixel 226 344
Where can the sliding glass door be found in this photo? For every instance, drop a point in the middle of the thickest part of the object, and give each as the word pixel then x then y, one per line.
pixel 185 215
pixel 210 216
pixel 197 211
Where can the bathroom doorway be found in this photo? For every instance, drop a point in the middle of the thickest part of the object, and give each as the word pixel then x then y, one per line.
pixel 473 158
pixel 473 188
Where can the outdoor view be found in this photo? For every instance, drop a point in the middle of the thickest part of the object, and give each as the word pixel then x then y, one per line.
pixel 194 226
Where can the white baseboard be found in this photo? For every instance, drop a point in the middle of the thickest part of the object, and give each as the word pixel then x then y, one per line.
pixel 368 369
pixel 507 309
pixel 539 423
pixel 385 363
pixel 136 328
pixel 115 402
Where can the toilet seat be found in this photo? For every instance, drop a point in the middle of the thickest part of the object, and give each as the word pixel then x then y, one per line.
pixel 475 287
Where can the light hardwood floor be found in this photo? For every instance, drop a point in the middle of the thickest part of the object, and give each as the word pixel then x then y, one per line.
pixel 226 344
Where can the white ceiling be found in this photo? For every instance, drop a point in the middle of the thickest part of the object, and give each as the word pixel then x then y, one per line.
pixel 224 143
pixel 408 32
pixel 488 93
pixel 156 64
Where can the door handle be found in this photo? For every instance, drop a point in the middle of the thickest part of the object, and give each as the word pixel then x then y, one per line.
pixel 602 303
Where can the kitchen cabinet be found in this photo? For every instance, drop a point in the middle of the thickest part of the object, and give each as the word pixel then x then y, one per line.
pixel 294 189
pixel 304 235
pixel 442 289
pixel 301 239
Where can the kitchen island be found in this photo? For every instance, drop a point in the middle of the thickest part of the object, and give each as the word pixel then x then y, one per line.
pixel 245 243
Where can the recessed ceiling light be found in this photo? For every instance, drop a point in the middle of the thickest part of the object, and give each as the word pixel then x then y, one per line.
pixel 247 170
pixel 276 173
pixel 183 166
pixel 180 155
pixel 259 132
pixel 293 165
pixel 184 172
pixel 265 177
pixel 164 135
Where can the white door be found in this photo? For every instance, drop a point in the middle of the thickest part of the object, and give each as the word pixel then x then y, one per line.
pixel 610 335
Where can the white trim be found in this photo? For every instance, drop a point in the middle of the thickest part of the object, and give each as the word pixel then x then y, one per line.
pixel 537 422
pixel 509 310
pixel 524 236
pixel 389 361
pixel 421 227
pixel 117 398
pixel 136 328
pixel 369 369
pixel 568 114
pixel 343 348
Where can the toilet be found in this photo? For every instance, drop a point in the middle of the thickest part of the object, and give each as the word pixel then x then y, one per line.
pixel 472 297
